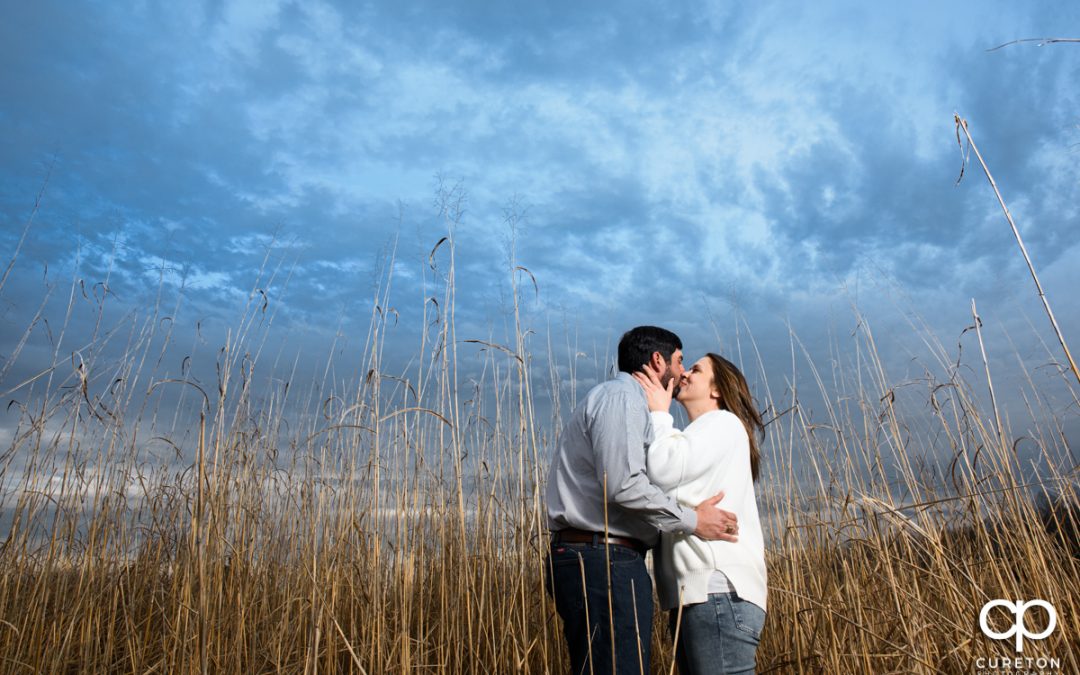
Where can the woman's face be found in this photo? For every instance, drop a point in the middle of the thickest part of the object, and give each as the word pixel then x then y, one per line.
pixel 696 384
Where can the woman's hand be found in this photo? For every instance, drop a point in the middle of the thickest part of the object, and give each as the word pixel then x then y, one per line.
pixel 658 396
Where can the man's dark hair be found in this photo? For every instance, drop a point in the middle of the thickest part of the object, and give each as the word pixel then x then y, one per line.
pixel 638 344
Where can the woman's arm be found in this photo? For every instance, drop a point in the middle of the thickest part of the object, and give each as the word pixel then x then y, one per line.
pixel 675 458
pixel 665 458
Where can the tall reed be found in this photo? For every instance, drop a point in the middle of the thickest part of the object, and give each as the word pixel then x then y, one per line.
pixel 390 520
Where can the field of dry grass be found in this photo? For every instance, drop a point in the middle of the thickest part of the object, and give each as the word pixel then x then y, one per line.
pixel 394 523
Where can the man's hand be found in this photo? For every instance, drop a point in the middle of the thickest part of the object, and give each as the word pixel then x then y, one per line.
pixel 715 523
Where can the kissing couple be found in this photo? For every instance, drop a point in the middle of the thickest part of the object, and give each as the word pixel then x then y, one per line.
pixel 623 481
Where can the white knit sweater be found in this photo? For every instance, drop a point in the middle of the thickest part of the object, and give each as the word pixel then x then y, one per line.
pixel 710 455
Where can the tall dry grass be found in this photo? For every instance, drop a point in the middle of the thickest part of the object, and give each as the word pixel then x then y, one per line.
pixel 391 521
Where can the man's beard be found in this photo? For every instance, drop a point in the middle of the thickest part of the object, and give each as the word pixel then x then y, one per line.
pixel 675 391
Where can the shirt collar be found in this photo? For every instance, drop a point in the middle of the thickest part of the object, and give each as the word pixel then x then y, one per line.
pixel 625 378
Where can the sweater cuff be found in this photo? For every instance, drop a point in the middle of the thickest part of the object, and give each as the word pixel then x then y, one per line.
pixel 662 421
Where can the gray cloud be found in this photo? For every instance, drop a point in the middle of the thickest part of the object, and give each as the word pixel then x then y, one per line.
pixel 672 164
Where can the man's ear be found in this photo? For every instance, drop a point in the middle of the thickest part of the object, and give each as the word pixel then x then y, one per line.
pixel 657 362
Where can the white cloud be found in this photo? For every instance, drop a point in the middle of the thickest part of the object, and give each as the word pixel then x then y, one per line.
pixel 243 25
pixel 329 46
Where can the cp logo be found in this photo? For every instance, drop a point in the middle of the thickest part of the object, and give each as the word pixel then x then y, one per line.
pixel 1018 609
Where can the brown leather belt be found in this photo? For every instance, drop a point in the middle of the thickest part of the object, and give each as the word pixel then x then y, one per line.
pixel 575 536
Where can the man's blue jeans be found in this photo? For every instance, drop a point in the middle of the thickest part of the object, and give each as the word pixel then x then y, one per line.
pixel 578 580
pixel 719 635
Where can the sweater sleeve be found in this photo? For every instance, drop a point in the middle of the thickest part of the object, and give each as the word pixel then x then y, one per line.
pixel 674 457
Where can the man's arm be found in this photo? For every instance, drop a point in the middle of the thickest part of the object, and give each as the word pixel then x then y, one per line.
pixel 617 435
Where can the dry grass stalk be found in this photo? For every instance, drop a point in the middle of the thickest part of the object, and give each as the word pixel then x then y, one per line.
pixel 962 124
pixel 395 525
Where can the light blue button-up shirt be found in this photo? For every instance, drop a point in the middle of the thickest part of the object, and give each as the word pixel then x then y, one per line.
pixel 600 458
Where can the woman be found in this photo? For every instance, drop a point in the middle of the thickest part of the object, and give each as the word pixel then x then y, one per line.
pixel 715 590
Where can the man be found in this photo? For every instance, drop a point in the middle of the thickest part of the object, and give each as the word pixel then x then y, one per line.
pixel 604 514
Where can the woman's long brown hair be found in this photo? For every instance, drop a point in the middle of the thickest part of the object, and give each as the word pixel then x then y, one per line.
pixel 735 397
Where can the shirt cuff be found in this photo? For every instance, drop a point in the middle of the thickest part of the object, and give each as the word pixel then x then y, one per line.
pixel 689 521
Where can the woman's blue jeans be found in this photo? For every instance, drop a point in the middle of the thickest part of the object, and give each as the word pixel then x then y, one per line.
pixel 578 576
pixel 719 635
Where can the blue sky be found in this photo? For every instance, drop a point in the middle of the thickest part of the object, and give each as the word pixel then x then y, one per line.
pixel 671 163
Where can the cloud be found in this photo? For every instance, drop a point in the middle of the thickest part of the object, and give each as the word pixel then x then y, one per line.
pixel 677 163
